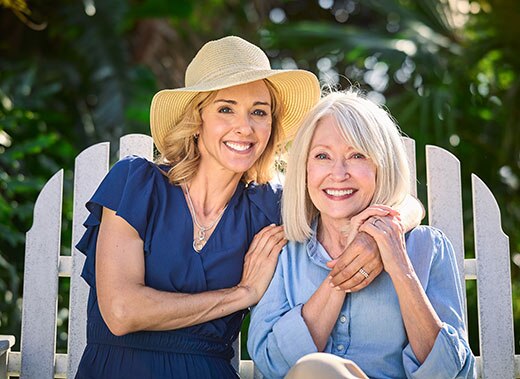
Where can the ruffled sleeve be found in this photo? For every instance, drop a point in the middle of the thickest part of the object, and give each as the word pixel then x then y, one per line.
pixel 127 189
pixel 266 199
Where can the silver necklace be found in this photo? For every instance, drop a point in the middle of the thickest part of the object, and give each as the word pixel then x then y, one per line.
pixel 200 240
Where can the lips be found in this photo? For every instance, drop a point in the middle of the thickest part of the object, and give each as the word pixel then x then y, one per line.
pixel 239 146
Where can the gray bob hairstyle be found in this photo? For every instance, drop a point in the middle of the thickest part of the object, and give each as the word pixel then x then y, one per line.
pixel 365 126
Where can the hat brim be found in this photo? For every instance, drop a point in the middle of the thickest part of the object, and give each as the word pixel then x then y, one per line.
pixel 299 91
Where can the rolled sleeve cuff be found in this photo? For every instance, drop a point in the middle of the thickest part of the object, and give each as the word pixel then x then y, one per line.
pixel 293 337
pixel 447 359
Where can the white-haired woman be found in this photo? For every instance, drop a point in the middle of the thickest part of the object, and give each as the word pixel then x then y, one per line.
pixel 166 242
pixel 347 158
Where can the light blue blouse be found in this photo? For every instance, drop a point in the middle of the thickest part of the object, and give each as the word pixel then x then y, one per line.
pixel 369 329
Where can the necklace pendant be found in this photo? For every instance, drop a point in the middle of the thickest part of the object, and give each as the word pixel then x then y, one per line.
pixel 200 240
pixel 198 245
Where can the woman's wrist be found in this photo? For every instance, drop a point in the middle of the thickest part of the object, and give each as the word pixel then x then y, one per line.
pixel 334 293
pixel 246 296
pixel 402 274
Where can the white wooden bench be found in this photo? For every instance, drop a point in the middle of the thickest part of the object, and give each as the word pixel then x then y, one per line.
pixel 44 266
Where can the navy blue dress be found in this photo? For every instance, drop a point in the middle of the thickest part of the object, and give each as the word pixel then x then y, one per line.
pixel 139 192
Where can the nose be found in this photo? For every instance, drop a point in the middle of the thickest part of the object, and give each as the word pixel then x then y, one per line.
pixel 340 170
pixel 244 125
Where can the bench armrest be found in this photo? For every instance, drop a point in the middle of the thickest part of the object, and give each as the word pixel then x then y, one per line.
pixel 6 342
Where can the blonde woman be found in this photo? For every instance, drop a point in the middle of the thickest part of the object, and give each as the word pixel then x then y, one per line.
pixel 166 243
pixel 346 159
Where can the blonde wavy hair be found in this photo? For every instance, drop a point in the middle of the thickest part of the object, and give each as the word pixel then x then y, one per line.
pixel 367 127
pixel 182 154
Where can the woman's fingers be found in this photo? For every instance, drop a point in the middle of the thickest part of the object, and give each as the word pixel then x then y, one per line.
pixel 359 273
pixel 365 281
pixel 363 260
pixel 375 210
pixel 261 238
pixel 266 240
pixel 361 243
pixel 343 270
pixel 388 233
pixel 261 258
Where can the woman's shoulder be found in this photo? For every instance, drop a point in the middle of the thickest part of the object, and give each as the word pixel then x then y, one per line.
pixel 134 169
pixel 266 198
pixel 267 190
pixel 430 239
pixel 426 233
pixel 130 178
pixel 133 163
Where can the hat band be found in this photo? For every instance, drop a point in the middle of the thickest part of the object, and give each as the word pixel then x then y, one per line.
pixel 224 73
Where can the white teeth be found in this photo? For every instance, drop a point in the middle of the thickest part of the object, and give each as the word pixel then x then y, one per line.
pixel 333 192
pixel 238 146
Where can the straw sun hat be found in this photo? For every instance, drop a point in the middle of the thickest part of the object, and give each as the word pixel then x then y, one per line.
pixel 228 62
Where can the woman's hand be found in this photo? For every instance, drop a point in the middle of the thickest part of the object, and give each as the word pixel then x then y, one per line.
pixel 372 211
pixel 388 232
pixel 361 255
pixel 260 261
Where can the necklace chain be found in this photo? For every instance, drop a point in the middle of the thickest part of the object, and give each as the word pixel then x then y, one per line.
pixel 200 241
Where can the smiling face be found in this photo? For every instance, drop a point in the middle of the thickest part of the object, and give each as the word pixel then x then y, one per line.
pixel 236 127
pixel 341 181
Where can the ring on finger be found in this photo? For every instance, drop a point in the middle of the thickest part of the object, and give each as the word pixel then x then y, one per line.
pixel 364 273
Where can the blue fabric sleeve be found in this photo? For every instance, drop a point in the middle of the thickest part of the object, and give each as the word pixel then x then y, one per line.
pixel 266 198
pixel 278 335
pixel 451 356
pixel 128 190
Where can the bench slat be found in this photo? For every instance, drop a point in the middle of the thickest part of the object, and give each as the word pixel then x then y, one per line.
pixel 40 288
pixel 410 152
pixel 136 144
pixel 90 168
pixel 235 361
pixel 494 285
pixel 445 202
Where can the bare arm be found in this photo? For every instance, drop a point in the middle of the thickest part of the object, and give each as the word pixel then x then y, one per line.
pixel 321 312
pixel 127 305
pixel 421 322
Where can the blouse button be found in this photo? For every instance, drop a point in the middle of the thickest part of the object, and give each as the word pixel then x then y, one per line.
pixel 340 347
pixel 342 319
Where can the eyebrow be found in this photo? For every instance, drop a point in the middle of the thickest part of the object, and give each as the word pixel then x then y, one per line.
pixel 234 102
pixel 321 146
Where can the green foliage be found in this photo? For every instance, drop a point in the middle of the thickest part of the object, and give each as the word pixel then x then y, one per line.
pixel 161 8
pixel 61 90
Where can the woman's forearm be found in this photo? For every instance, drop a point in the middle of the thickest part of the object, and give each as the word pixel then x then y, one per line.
pixel 321 312
pixel 421 322
pixel 143 308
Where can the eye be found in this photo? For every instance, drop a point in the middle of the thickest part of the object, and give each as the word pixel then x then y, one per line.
pixel 259 112
pixel 321 156
pixel 225 110
pixel 358 156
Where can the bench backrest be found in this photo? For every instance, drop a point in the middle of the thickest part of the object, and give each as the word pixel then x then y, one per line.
pixel 44 264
